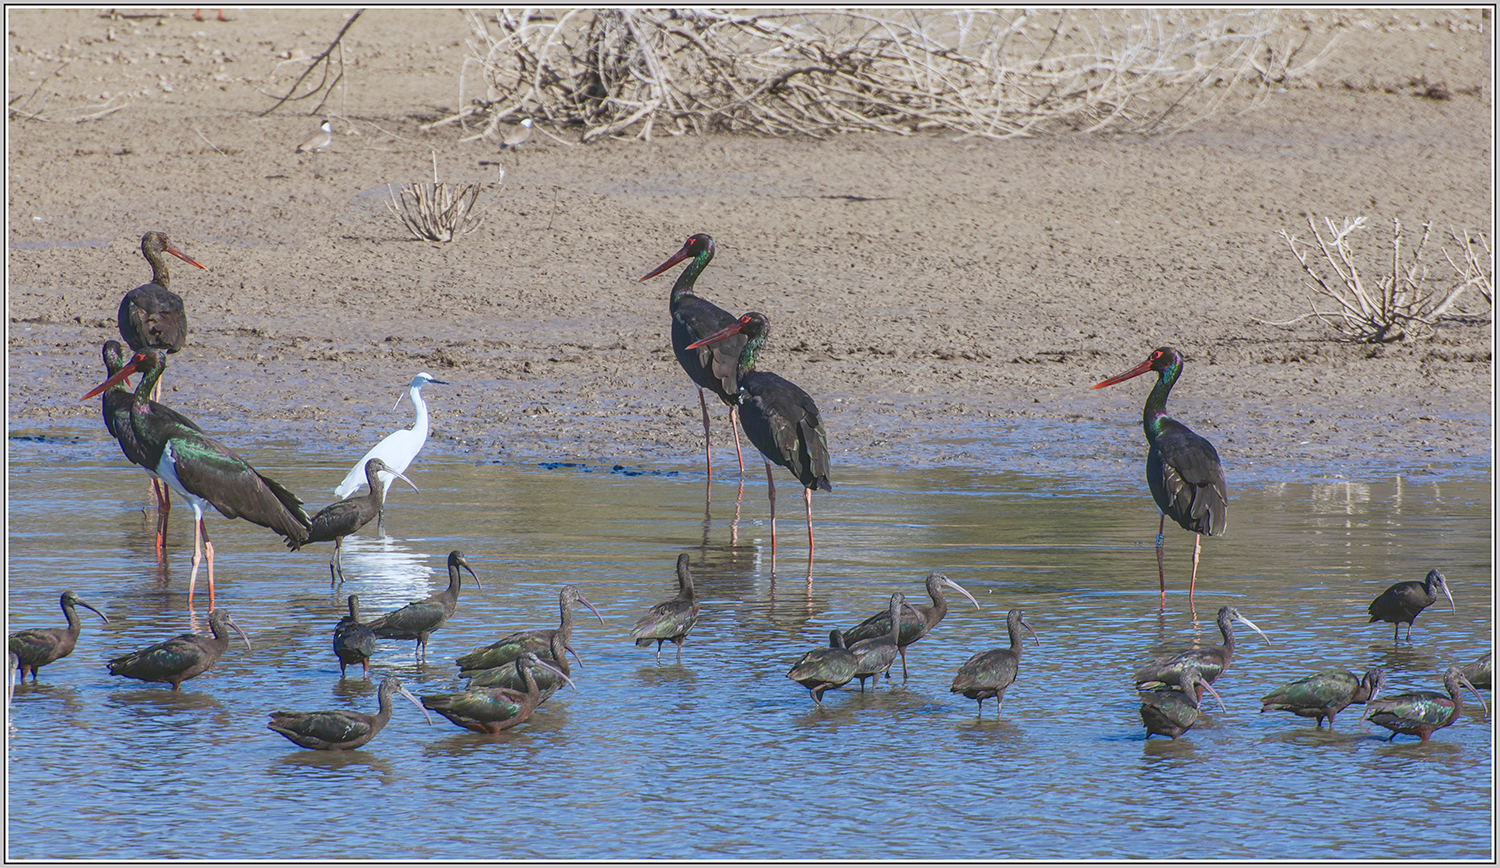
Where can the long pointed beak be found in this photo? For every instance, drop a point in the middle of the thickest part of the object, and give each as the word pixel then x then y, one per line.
pixel 1136 371
pixel 592 609
pixel 716 336
pixel 1246 621
pixel 954 585
pixel 403 479
pixel 1033 632
pixel 414 701
pixel 471 573
pixel 95 611
pixel 236 628
pixel 1450 599
pixel 676 258
pixel 119 375
pixel 172 249
pixel 1465 682
pixel 1210 689
pixel 568 649
pixel 560 674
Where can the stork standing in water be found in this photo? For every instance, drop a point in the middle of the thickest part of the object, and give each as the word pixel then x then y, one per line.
pixel 397 449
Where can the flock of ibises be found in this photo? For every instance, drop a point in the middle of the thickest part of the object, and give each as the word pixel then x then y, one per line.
pixel 509 678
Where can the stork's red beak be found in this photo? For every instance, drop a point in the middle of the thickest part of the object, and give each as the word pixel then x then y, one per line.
pixel 1136 371
pixel 172 249
pixel 676 258
pixel 717 336
pixel 119 375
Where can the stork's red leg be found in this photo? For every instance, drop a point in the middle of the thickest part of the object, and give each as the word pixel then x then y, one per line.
pixel 707 455
pixel 1161 571
pixel 807 498
pixel 734 413
pixel 771 493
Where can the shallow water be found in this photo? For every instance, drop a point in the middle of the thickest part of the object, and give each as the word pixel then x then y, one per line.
pixel 723 756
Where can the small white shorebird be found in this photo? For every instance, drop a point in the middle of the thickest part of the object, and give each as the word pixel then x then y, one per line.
pixel 517 135
pixel 318 140
pixel 397 450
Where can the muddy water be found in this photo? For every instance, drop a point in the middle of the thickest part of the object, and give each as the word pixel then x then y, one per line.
pixel 723 756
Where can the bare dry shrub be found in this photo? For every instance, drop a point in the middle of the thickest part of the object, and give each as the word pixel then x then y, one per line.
pixel 1402 305
pixel 994 73
pixel 439 211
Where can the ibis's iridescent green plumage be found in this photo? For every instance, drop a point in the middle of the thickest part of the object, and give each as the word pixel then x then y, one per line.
pixel 1402 602
pixel 1423 712
pixel 824 668
pixel 1171 712
pixel 1208 662
pixel 693 318
pixel 340 730
pixel 1324 694
pixel 988 673
pixel 418 620
pixel 1182 468
pixel 178 659
pixel 670 621
pixel 1481 672
pixel 353 642
pixel 338 520
pixel 877 653
pixel 36 648
pixel 912 628
pixel 494 709
pixel 503 651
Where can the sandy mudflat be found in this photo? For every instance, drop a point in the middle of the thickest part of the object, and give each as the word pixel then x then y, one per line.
pixel 947 301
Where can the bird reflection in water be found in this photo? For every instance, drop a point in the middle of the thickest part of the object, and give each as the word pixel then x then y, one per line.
pixel 389 571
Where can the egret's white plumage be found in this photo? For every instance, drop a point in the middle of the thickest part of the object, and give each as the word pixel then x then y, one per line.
pixel 398 448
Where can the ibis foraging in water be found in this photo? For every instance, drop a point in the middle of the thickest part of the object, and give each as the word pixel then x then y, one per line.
pixel 397 449
pixel 1182 468
pixel 927 617
pixel 36 648
pixel 1208 662
pixel 988 673
pixel 670 621
pixel 693 318
pixel 203 470
pixel 824 668
pixel 877 653
pixel 1169 711
pixel 553 642
pixel 780 419
pixel 418 620
pixel 353 642
pixel 1423 712
pixel 180 658
pixel 491 710
pixel 1324 694
pixel 341 730
pixel 1402 602
pixel 1481 672
pixel 338 520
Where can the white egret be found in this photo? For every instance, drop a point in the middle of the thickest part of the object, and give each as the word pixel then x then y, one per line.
pixel 397 450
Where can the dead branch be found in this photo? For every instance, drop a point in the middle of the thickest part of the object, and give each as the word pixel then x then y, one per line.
pixel 321 60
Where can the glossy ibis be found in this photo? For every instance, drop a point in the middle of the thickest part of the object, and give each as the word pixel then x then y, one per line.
pixel 877 653
pixel 517 135
pixel 397 449
pixel 780 419
pixel 670 621
pixel 353 642
pixel 202 470
pixel 186 656
pixel 1402 602
pixel 1422 712
pixel 988 673
pixel 693 318
pixel 823 668
pixel 418 620
pixel 911 630
pixel 1171 712
pixel 1324 694
pixel 1481 672
pixel 1208 662
pixel 36 648
pixel 338 520
pixel 318 140
pixel 341 730
pixel 491 710
pixel 553 642
pixel 1182 468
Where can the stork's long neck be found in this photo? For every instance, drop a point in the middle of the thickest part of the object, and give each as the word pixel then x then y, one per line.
pixel 757 339
pixel 1155 415
pixel 159 274
pixel 683 287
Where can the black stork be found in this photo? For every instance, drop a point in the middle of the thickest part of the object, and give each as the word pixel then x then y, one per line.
pixel 36 648
pixel 418 620
pixel 338 520
pixel 353 642
pixel 117 401
pixel 927 618
pixel 780 419
pixel 203 470
pixel 554 643
pixel 824 668
pixel 1182 468
pixel 341 730
pixel 1208 662
pixel 1481 673
pixel 988 673
pixel 1169 711
pixel 491 710
pixel 1402 602
pixel 1423 712
pixel 397 449
pixel 1324 694
pixel 670 621
pixel 178 659
pixel 712 368
pixel 877 653
pixel 151 316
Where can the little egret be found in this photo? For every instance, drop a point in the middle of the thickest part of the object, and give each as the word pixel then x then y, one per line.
pixel 397 450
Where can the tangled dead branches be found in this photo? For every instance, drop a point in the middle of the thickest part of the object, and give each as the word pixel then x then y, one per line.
pixel 439 211
pixel 993 73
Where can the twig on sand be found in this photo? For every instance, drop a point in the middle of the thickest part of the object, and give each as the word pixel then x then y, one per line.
pixel 207 142
pixel 322 59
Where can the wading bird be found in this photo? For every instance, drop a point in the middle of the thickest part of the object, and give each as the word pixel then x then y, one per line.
pixel 36 648
pixel 671 621
pixel 340 730
pixel 353 642
pixel 988 673
pixel 338 520
pixel 318 140
pixel 926 618
pixel 418 620
pixel 553 642
pixel 491 710
pixel 180 658
pixel 1208 662
pixel 823 668
pixel 1324 694
pixel 1422 712
pixel 397 449
pixel 1171 712
pixel 1402 602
